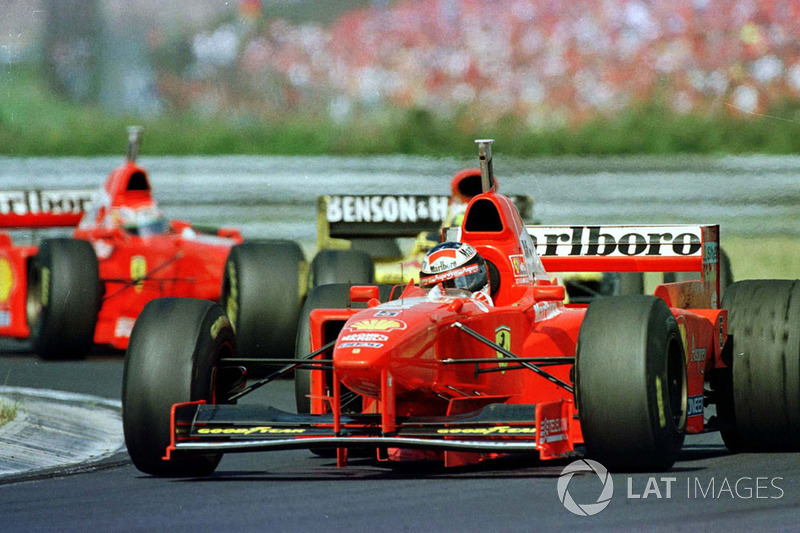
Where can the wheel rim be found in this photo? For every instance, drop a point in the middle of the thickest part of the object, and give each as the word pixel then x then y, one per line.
pixel 676 383
pixel 33 302
pixel 231 294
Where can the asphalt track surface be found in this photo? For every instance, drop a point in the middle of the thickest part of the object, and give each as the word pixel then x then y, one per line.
pixel 296 491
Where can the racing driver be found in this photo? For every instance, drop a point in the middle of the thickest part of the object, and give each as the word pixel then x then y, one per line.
pixel 456 265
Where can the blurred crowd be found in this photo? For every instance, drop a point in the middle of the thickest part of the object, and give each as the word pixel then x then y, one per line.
pixel 547 62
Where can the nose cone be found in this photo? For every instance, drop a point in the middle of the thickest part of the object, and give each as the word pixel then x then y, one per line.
pixel 364 349
pixel 378 339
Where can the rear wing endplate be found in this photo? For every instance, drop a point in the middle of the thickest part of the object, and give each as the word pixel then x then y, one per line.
pixel 644 248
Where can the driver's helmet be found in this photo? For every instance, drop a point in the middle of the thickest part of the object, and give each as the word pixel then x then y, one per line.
pixel 456 265
pixel 144 220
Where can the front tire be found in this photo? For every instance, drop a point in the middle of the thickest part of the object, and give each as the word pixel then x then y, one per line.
pixel 64 296
pixel 175 348
pixel 262 289
pixel 764 401
pixel 631 386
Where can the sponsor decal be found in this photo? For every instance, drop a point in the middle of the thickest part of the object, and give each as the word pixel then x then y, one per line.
pixel 232 301
pixel 479 304
pixel 533 265
pixel 361 345
pixel 710 252
pixel 36 202
pixel 502 336
pixel 616 241
pixel 501 430
pixel 6 279
pixel 377 324
pixel 400 209
pixel 124 326
pixel 695 405
pixel 45 286
pixel 452 274
pixel 253 430
pixel 553 430
pixel 387 313
pixel 662 417
pixel 138 271
pixel 545 310
pixel 518 265
pixel 218 324
pixel 365 337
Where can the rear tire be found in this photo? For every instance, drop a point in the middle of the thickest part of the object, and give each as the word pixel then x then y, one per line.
pixel 262 289
pixel 764 329
pixel 174 350
pixel 64 297
pixel 630 383
pixel 352 267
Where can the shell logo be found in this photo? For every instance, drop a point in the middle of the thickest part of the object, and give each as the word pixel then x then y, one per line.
pixel 6 280
pixel 377 324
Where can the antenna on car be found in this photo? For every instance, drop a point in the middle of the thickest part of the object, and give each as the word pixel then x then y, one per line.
pixel 485 156
pixel 134 140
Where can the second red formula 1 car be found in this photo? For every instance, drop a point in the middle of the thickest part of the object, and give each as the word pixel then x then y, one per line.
pixel 67 293
pixel 432 372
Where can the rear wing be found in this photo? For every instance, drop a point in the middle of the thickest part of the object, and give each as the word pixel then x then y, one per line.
pixel 38 208
pixel 389 216
pixel 646 248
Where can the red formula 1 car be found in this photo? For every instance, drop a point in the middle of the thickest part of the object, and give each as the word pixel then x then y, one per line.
pixel 67 293
pixel 441 373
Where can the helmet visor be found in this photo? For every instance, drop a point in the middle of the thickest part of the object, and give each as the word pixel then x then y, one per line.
pixel 471 277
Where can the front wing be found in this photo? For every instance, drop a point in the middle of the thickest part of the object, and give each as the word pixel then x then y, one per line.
pixel 500 428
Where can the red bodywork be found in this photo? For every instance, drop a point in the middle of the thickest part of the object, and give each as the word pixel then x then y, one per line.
pixel 430 388
pixel 134 268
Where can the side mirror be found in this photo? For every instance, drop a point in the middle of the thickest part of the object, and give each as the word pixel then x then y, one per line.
pixel 364 293
pixel 177 226
pixel 549 293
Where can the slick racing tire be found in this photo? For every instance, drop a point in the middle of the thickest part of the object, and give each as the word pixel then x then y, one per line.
pixel 64 296
pixel 352 267
pixel 262 289
pixel 630 383
pixel 763 406
pixel 725 274
pixel 336 296
pixel 175 347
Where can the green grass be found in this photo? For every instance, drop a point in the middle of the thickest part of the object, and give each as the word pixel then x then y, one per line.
pixel 8 411
pixel 773 257
pixel 36 122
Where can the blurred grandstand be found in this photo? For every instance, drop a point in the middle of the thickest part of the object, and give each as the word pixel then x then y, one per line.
pixel 550 63
pixel 545 64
